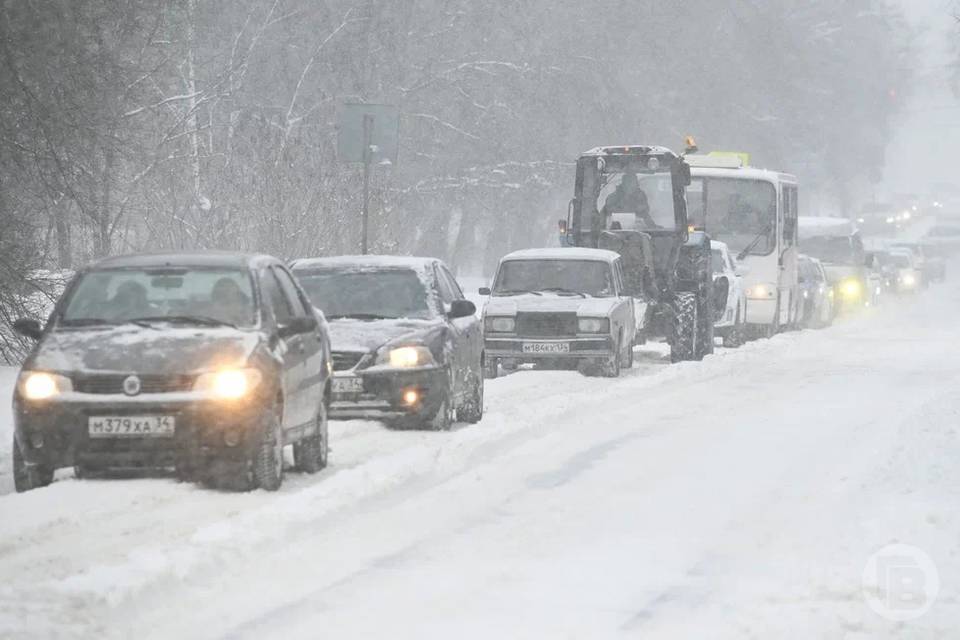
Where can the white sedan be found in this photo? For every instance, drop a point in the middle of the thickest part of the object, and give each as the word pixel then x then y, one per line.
pixel 728 295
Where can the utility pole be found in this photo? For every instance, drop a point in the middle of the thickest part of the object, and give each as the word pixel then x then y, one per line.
pixel 367 160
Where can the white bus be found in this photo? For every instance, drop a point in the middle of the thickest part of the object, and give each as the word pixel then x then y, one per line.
pixel 754 211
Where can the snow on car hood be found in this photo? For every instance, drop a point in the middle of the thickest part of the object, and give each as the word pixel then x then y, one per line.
pixel 131 348
pixel 549 303
pixel 369 335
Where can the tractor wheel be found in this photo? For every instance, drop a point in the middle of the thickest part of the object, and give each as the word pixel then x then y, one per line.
pixel 704 345
pixel 683 333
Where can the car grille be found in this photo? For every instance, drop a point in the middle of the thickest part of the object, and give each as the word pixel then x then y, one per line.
pixel 113 384
pixel 344 360
pixel 546 325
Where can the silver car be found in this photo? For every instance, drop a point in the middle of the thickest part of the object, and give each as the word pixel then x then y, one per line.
pixel 561 309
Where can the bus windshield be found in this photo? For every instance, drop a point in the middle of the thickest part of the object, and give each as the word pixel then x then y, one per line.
pixel 741 213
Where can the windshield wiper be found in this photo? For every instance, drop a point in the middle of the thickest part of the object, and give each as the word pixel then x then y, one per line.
pixel 85 322
pixel 515 292
pixel 565 292
pixel 361 316
pixel 753 243
pixel 186 319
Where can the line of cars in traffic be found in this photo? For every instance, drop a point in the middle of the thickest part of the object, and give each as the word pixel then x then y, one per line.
pixel 213 363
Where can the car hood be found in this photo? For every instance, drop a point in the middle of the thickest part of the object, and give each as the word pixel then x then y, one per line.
pixel 369 335
pixel 142 350
pixel 547 303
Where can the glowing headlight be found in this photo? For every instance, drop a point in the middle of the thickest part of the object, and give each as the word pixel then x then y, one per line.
pixel 228 384
pixel 407 357
pixel 850 288
pixel 497 324
pixel 593 325
pixel 806 294
pixel 37 385
pixel 909 280
pixel 761 291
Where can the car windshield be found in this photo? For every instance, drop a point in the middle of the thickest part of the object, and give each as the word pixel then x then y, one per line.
pixel 367 294
pixel 808 271
pixel 832 249
pixel 564 277
pixel 637 201
pixel 900 260
pixel 718 262
pixel 740 213
pixel 183 295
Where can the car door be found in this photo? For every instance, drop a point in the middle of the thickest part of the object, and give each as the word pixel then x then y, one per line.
pixel 625 307
pixel 287 347
pixel 309 393
pixel 461 353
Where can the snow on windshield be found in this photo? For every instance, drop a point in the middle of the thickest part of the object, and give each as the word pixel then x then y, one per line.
pixel 589 277
pixel 368 294
pixel 741 213
pixel 110 296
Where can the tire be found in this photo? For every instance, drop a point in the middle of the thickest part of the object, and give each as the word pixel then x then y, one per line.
pixel 491 368
pixel 268 456
pixel 683 332
pixel 704 346
pixel 27 477
pixel 734 337
pixel 611 368
pixel 310 454
pixel 627 362
pixel 472 410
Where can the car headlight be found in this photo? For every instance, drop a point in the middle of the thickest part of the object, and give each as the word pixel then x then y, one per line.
pixel 909 280
pixel 406 357
pixel 593 325
pixel 851 289
pixel 228 384
pixel 40 385
pixel 761 291
pixel 499 324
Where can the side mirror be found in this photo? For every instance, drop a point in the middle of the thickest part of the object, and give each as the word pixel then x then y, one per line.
pixel 28 327
pixel 297 326
pixel 484 291
pixel 461 309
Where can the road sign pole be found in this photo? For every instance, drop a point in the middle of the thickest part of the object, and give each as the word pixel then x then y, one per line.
pixel 367 135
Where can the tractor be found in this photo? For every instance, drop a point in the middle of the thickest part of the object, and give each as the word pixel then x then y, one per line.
pixel 631 200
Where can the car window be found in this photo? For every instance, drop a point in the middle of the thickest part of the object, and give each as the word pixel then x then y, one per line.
pixel 370 293
pixel 447 293
pixel 290 292
pixel 451 283
pixel 274 294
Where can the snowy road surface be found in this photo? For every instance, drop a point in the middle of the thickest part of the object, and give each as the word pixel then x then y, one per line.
pixel 740 497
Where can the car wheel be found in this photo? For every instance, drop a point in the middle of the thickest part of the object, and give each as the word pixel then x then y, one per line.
pixel 268 456
pixel 683 333
pixel 491 368
pixel 472 410
pixel 310 454
pixel 627 362
pixel 611 368
pixel 27 477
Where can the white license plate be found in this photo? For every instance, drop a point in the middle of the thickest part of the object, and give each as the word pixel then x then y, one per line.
pixel 546 347
pixel 131 426
pixel 347 384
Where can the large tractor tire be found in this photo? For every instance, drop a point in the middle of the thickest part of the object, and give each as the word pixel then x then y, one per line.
pixel 683 333
pixel 705 313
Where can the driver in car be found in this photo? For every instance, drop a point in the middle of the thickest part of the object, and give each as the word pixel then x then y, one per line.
pixel 628 197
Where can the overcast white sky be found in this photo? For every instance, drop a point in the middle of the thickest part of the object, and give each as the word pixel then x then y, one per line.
pixel 925 142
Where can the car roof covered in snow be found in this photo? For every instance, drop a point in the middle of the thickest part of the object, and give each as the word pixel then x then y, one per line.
pixel 579 253
pixel 203 259
pixel 366 262
pixel 812 226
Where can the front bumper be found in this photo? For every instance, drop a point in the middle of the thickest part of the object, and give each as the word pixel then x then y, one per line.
pixel 761 311
pixel 382 394
pixel 55 434
pixel 532 350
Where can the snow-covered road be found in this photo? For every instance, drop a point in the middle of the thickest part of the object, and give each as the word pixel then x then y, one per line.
pixel 739 497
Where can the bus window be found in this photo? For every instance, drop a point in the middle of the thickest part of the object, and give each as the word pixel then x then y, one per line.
pixel 741 213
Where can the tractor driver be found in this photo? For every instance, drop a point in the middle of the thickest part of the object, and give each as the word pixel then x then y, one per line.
pixel 628 197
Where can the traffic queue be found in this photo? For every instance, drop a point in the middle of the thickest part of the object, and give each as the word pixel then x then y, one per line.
pixel 212 363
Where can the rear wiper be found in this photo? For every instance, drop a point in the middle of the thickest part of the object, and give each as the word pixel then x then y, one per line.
pixel 515 292
pixel 187 319
pixel 565 292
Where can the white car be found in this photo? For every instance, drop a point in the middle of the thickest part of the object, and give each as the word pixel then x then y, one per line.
pixel 729 296
pixel 559 308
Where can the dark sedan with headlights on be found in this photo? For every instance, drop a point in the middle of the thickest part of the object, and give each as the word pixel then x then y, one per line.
pixel 407 345
pixel 207 362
